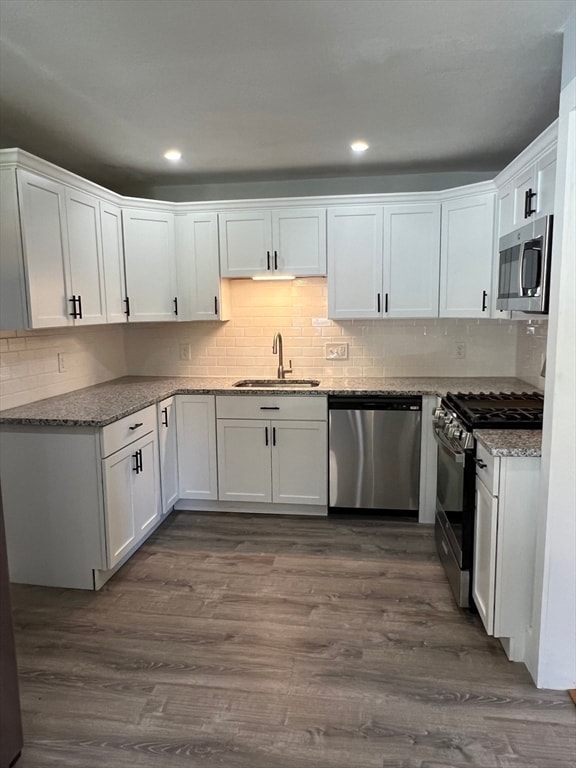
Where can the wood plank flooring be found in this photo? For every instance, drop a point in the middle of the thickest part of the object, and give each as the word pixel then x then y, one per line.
pixel 273 642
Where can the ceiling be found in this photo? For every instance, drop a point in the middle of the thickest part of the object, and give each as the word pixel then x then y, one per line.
pixel 260 89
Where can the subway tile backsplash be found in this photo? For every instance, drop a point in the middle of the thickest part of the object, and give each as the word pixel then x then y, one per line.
pixel 243 346
pixel 298 309
pixel 30 368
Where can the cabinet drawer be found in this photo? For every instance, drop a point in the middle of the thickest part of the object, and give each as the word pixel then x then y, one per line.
pixel 488 469
pixel 306 408
pixel 126 430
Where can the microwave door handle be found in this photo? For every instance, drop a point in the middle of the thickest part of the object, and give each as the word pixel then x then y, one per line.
pixel 523 290
pixel 458 456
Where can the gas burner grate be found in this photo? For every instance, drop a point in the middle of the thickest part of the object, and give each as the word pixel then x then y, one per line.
pixel 500 410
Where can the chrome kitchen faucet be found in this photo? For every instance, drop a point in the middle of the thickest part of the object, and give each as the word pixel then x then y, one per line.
pixel 277 349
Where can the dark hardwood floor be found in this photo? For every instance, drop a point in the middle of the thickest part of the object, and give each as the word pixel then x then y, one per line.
pixel 271 642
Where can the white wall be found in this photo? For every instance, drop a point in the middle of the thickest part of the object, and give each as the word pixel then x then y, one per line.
pixel 531 350
pixel 552 642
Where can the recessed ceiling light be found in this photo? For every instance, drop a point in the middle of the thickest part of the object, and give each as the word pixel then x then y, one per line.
pixel 359 146
pixel 173 154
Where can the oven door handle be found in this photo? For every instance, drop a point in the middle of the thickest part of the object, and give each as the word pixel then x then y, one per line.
pixel 458 456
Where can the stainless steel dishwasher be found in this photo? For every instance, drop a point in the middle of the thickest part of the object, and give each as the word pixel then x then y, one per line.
pixel 375 452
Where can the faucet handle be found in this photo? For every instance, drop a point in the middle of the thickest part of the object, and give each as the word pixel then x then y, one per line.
pixel 289 369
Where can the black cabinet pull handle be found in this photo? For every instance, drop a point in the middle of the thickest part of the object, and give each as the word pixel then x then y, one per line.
pixel 267 259
pixel 135 426
pixel 79 307
pixel 269 407
pixel 266 434
pixel 165 416
pixel 529 197
pixel 74 313
pixel 379 301
pixel 275 259
pixel 136 467
pixel 140 460
pixel 127 306
pixel 526 204
pixel 273 435
pixel 480 463
pixel 484 297
pixel 175 305
pixel 215 305
pixel 385 302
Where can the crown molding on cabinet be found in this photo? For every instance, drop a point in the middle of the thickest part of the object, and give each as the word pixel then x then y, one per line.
pixel 541 144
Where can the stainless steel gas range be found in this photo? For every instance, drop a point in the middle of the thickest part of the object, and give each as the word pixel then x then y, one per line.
pixel 454 421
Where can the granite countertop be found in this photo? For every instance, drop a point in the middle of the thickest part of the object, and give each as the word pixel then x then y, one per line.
pixel 511 442
pixel 103 404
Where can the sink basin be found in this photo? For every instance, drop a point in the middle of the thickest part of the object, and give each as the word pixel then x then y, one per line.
pixel 274 383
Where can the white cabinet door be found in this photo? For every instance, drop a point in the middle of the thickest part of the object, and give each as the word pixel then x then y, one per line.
pixel 485 543
pixel 245 243
pixel 113 256
pixel 355 284
pixel 197 464
pixel 150 258
pixel 299 462
pixel 545 183
pixel 198 267
pixel 45 247
pixel 299 241
pixel 466 256
pixel 505 210
pixel 244 464
pixel 411 260
pixel 131 496
pixel 146 482
pixel 524 185
pixel 117 471
pixel 168 450
pixel 86 262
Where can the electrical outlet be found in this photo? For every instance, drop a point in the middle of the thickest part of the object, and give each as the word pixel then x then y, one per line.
pixel 185 352
pixel 460 350
pixel 62 363
pixel 337 351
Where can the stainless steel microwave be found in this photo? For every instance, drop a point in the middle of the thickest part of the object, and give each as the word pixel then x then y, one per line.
pixel 524 267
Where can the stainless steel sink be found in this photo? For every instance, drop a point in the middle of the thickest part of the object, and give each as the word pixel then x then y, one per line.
pixel 274 383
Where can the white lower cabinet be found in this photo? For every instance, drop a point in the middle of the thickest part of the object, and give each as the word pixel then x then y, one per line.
pixel 196 427
pixel 168 451
pixel 505 545
pixel 282 460
pixel 94 499
pixel 131 496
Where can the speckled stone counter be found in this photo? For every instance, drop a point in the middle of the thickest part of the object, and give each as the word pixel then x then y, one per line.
pixel 511 442
pixel 105 403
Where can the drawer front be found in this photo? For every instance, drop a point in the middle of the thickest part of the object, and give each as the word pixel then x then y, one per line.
pixel 126 430
pixel 488 469
pixel 277 407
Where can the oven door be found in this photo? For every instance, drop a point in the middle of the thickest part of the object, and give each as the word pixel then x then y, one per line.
pixel 450 496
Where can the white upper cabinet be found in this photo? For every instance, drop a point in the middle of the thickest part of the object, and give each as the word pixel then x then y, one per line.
pixel 150 258
pixel 45 250
pixel 545 183
pixel 203 296
pixel 505 209
pixel 291 241
pixel 466 256
pixel 355 281
pixel 86 262
pixel 411 260
pixel 113 256
pixel 299 241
